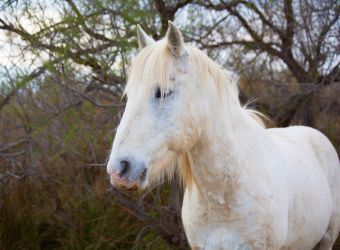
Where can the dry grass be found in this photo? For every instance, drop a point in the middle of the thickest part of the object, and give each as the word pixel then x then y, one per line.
pixel 69 208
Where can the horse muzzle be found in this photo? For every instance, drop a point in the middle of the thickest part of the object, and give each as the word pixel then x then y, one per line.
pixel 128 175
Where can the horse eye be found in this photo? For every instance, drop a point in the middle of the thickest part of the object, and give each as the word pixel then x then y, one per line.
pixel 159 94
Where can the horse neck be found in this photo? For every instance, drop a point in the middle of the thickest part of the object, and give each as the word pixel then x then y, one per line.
pixel 220 159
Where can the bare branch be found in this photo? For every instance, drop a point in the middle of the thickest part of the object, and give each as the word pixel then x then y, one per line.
pixel 168 12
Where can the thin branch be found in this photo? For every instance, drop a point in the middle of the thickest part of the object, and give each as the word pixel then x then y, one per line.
pixel 35 73
pixel 13 155
pixel 324 31
pixel 220 6
pixel 90 32
pixel 12 145
pixel 253 7
pixel 6 99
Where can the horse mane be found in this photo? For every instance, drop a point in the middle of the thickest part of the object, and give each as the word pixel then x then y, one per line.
pixel 226 81
pixel 154 64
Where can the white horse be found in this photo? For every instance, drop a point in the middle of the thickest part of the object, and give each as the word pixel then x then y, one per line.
pixel 247 187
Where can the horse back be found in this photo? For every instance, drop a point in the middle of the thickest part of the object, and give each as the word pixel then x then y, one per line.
pixel 309 142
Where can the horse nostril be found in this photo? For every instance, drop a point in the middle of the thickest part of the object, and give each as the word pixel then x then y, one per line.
pixel 143 175
pixel 124 168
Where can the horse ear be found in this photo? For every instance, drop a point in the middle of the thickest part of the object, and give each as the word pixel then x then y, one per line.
pixel 175 39
pixel 143 39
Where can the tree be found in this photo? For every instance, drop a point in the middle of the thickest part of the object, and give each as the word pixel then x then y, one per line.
pixel 67 61
pixel 300 34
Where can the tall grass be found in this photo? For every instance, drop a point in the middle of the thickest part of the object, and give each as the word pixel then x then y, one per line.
pixel 76 212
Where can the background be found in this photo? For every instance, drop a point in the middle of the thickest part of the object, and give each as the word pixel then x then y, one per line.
pixel 63 67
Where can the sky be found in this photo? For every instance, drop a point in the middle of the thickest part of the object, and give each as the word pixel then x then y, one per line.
pixel 9 53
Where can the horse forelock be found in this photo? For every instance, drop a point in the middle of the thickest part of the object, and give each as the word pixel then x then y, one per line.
pixel 150 68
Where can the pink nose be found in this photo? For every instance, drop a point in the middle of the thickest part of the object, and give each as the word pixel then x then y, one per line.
pixel 121 182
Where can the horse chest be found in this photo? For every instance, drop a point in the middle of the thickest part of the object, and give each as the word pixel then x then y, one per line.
pixel 223 227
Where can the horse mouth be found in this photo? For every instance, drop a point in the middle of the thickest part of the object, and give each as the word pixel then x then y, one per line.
pixel 123 182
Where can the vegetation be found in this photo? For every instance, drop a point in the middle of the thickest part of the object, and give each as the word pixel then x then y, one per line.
pixel 63 69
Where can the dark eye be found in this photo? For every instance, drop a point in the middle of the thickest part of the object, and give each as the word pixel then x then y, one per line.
pixel 159 94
